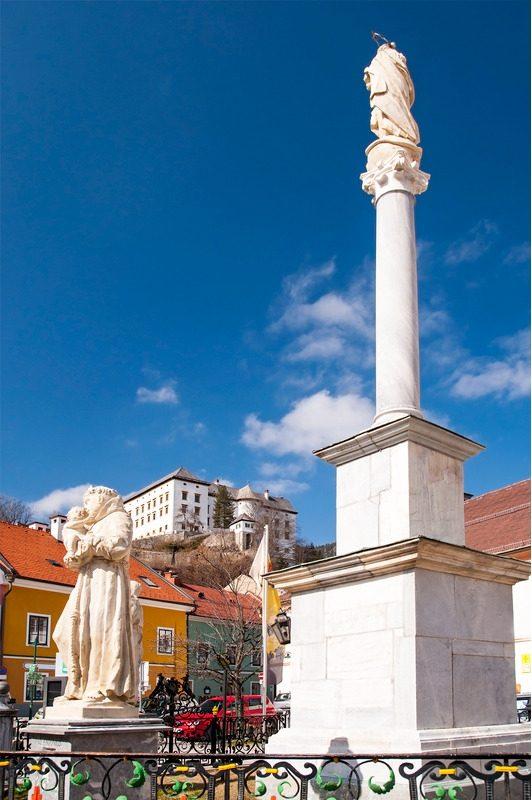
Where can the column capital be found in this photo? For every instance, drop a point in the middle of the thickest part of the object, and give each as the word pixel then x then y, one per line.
pixel 393 166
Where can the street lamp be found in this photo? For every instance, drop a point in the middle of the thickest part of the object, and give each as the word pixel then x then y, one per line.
pixel 281 627
pixel 34 676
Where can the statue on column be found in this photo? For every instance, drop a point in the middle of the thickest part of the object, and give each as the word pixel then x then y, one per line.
pixel 391 94
pixel 94 634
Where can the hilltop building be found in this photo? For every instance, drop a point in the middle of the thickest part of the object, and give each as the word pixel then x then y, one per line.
pixel 182 504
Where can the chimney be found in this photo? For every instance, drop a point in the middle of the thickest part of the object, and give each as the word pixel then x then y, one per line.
pixel 56 526
pixel 266 494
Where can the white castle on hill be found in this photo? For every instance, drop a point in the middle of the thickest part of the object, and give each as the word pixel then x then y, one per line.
pixel 182 504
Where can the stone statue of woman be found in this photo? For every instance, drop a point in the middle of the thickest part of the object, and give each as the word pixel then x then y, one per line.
pixel 94 633
pixel 391 94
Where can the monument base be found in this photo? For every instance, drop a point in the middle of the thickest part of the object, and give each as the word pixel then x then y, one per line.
pixel 64 709
pixel 94 736
pixel 489 739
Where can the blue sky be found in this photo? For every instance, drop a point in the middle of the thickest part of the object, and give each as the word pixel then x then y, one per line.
pixel 187 252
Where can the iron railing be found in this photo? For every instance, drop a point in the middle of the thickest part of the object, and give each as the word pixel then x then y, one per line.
pixel 244 736
pixel 105 776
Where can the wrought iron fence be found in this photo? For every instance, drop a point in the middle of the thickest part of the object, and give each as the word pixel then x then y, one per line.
pixel 244 736
pixel 125 776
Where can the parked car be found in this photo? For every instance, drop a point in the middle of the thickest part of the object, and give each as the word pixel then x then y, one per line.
pixel 196 724
pixel 282 701
pixel 523 707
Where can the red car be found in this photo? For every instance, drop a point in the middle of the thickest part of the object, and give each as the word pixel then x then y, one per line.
pixel 195 724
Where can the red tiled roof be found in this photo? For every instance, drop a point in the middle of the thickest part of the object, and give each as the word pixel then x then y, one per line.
pixel 499 521
pixel 222 604
pixel 36 555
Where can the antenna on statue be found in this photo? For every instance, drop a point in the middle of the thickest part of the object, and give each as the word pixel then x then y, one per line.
pixel 378 38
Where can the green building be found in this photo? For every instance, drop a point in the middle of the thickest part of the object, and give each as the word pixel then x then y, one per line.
pixel 224 637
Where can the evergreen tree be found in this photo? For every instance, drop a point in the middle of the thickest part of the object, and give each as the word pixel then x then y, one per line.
pixel 223 508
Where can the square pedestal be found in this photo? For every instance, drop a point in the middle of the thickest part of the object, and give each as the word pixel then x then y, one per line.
pixel 397 481
pixel 403 648
pixel 95 736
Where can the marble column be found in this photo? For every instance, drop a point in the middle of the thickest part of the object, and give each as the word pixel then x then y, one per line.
pixel 393 178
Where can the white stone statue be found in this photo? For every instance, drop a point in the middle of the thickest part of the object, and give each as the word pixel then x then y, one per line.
pixel 137 622
pixel 391 93
pixel 94 633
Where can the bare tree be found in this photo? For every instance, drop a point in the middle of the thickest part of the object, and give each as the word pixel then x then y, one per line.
pixel 231 639
pixel 14 511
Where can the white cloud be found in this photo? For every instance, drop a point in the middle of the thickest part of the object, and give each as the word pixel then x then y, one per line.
pixel 331 310
pixel 433 320
pixel 59 500
pixel 313 422
pixel 506 378
pixel 317 347
pixel 272 469
pixel 298 285
pixel 519 254
pixel 284 487
pixel 225 481
pixel 164 394
pixel 474 245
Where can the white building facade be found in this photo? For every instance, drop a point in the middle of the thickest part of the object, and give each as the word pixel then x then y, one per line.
pixel 176 503
pixel 183 504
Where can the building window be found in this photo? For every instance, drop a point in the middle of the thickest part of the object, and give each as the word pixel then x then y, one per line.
pixel 202 653
pixel 166 509
pixel 36 688
pixel 256 658
pixel 142 520
pixel 160 512
pixel 149 503
pixel 148 581
pixel 165 641
pixel 166 497
pixel 197 510
pixel 137 511
pixel 38 628
pixel 231 654
pixel 136 523
pixel 160 500
pixel 254 687
pixel 142 508
pixel 184 509
pixel 196 498
pixel 184 495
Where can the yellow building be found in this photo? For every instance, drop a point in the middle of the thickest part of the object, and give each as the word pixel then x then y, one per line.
pixel 34 587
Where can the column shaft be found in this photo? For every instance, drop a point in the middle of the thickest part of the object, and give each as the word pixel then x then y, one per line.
pixel 397 333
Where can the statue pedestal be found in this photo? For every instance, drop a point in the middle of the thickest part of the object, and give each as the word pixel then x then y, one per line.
pixel 90 709
pixel 97 736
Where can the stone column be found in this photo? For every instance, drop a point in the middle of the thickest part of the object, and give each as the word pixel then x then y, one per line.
pixel 393 178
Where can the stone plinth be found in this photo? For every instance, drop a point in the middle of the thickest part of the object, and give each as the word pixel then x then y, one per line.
pixel 63 709
pixel 400 480
pixel 403 648
pixel 103 735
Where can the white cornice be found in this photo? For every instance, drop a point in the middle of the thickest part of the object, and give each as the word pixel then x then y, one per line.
pixel 25 583
pixel 46 586
pixel 407 429
pixel 409 554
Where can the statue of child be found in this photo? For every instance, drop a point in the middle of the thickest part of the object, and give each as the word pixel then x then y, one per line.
pixel 75 527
